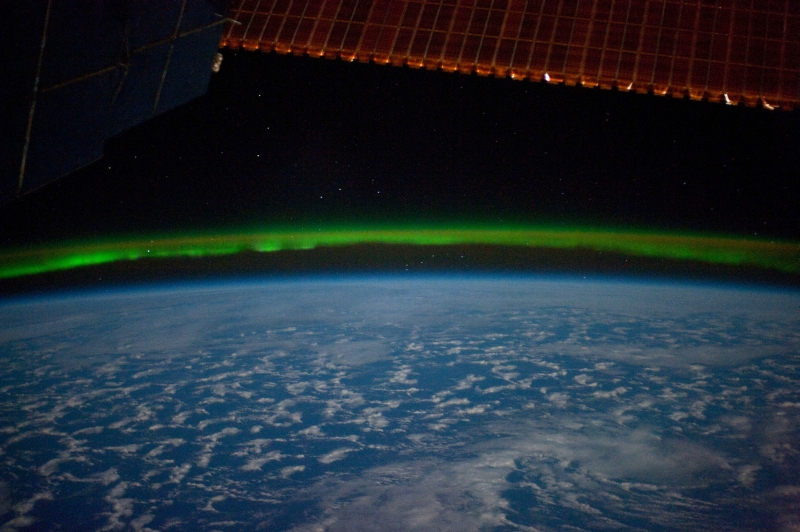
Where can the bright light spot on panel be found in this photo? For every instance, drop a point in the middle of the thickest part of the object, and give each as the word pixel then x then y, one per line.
pixel 217 63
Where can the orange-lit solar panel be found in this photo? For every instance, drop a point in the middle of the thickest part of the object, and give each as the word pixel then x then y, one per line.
pixel 724 50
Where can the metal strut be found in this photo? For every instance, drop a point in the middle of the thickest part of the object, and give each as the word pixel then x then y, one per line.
pixel 169 57
pixel 32 109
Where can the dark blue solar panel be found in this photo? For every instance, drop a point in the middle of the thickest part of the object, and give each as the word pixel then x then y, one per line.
pixel 105 66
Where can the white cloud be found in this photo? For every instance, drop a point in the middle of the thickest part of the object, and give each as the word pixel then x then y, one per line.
pixel 336 455
pixel 256 463
pixel 286 472
pixel 178 473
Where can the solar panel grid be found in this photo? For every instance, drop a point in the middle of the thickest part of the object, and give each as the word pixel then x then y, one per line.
pixel 728 50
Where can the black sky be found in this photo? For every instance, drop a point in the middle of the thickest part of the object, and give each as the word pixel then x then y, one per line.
pixel 301 141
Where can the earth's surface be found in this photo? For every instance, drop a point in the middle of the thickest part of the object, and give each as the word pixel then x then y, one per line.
pixel 387 403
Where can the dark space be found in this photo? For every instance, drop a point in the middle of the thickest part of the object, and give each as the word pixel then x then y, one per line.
pixel 295 141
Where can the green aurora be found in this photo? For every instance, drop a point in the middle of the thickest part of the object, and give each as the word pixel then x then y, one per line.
pixel 730 250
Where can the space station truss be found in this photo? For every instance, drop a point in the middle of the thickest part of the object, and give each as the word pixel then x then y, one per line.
pixel 731 51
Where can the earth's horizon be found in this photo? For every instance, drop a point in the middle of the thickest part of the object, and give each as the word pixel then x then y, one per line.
pixel 402 402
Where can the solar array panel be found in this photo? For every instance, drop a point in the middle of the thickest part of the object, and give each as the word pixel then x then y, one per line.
pixel 722 50
pixel 77 74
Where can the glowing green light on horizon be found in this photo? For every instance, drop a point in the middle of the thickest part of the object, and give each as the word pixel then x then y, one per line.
pixel 775 255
